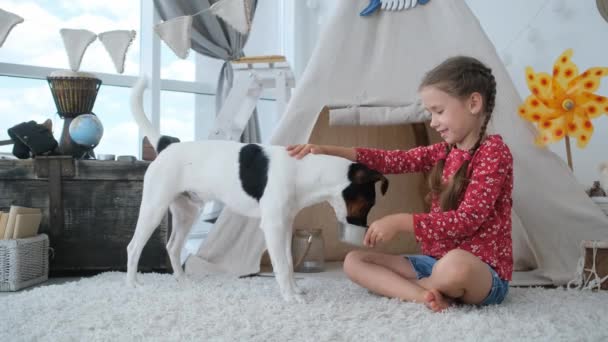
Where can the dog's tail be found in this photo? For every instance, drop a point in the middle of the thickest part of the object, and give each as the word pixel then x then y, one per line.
pixel 158 141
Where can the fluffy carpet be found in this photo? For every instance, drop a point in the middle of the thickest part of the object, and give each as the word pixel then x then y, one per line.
pixel 221 308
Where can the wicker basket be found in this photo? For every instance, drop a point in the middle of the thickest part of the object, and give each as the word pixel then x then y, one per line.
pixel 23 262
pixel 74 95
pixel 596 259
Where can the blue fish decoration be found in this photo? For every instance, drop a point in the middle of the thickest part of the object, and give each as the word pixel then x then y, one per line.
pixel 390 5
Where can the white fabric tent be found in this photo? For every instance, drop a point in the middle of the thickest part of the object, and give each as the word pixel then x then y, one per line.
pixel 379 61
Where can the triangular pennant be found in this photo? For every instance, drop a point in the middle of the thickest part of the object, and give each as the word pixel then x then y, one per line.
pixel 602 7
pixel 117 43
pixel 176 33
pixel 76 43
pixel 236 13
pixel 8 20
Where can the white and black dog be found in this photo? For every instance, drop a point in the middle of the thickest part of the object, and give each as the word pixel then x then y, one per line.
pixel 253 180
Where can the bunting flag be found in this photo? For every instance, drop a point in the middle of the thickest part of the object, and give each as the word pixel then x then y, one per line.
pixel 8 20
pixel 602 7
pixel 177 32
pixel 76 42
pixel 117 43
pixel 235 13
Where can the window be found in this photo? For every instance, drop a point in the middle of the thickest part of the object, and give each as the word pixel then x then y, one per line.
pixel 35 48
pixel 37 40
pixel 120 131
pixel 22 100
pixel 177 120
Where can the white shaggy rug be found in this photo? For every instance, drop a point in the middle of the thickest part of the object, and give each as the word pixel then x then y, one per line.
pixel 220 308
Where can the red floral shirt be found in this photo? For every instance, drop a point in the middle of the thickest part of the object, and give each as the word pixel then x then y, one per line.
pixel 481 224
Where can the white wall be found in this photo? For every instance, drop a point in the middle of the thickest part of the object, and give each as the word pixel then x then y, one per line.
pixel 525 33
pixel 524 38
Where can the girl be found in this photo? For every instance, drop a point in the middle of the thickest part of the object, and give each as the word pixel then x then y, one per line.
pixel 466 237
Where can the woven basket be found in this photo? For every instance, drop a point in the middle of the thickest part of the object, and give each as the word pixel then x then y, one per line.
pixel 23 262
pixel 601 260
pixel 73 95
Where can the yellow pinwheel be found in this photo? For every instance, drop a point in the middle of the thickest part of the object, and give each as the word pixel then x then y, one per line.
pixel 563 105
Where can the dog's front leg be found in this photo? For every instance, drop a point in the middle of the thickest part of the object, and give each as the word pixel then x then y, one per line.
pixel 276 242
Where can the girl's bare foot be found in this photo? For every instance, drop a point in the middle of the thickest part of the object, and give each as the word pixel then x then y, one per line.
pixel 435 300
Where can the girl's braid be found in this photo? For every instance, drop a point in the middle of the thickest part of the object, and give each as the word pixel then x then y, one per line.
pixel 489 100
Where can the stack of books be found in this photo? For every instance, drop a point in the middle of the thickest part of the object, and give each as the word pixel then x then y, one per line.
pixel 19 222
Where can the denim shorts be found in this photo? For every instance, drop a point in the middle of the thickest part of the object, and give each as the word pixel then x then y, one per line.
pixel 423 265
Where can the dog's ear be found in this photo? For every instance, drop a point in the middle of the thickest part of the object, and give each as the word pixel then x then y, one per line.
pixel 361 174
pixel 358 173
pixel 377 176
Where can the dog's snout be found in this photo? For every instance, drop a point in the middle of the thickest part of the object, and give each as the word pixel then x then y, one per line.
pixel 358 210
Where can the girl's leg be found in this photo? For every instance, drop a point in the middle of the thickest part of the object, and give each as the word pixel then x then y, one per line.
pixel 388 275
pixel 459 275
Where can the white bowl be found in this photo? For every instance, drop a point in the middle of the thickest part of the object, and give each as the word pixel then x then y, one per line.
pixel 351 234
pixel 126 158
pixel 602 202
pixel 106 157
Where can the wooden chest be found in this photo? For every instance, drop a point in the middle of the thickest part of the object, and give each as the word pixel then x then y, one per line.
pixel 89 210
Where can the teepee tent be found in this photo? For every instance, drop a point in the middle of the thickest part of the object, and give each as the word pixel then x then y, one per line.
pixel 371 66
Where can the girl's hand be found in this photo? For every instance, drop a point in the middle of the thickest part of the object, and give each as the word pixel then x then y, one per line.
pixel 301 150
pixel 387 227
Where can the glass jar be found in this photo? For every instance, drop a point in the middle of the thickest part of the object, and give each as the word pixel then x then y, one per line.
pixel 308 250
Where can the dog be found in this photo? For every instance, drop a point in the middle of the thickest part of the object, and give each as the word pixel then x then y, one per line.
pixel 253 180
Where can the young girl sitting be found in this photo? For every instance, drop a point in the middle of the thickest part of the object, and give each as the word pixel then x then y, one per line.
pixel 466 237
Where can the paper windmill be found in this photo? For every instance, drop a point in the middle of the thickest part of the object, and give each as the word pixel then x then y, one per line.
pixel 563 105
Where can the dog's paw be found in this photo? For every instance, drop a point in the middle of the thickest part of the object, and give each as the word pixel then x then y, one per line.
pixel 180 277
pixel 293 298
pixel 133 283
pixel 299 299
pixel 183 281
pixel 299 290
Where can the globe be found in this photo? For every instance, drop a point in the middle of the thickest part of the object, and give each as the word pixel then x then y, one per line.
pixel 86 130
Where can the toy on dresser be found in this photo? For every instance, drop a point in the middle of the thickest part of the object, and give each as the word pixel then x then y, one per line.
pixel 599 191
pixel 604 175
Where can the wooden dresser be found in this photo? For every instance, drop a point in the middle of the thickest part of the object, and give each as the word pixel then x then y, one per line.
pixel 89 208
